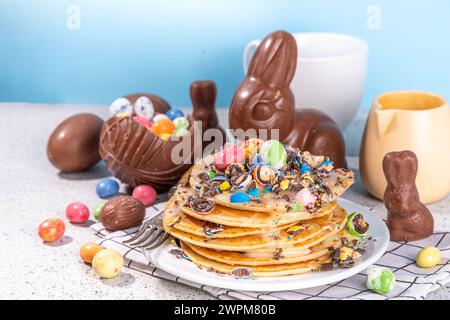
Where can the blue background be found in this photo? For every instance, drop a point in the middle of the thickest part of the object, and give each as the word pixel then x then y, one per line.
pixel 162 46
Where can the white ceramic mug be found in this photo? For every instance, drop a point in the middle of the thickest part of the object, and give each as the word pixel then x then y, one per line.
pixel 330 75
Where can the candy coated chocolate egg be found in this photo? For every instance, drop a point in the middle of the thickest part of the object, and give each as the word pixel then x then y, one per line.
pixel 380 280
pixel 165 136
pixel 428 257
pixel 73 146
pixel 51 229
pixel 227 156
pixel 181 123
pixel 305 197
pixel 174 113
pixel 121 107
pixel 159 116
pixel 273 153
pixel 163 126
pixel 77 212
pixel 144 121
pixel 251 148
pixel 144 193
pixel 107 263
pixel 89 250
pixel 97 210
pixel 143 107
pixel 239 197
pixel 181 132
pixel 263 175
pixel 356 225
pixel 107 188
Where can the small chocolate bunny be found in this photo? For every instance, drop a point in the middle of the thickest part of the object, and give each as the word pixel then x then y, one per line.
pixel 203 96
pixel 408 218
pixel 264 100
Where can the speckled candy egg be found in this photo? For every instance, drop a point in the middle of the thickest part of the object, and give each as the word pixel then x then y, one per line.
pixel 181 123
pixel 88 251
pixel 97 210
pixel 121 107
pixel 251 148
pixel 380 280
pixel 73 146
pixel 107 188
pixel 51 229
pixel 428 257
pixel 273 153
pixel 143 107
pixel 163 126
pixel 107 263
pixel 227 156
pixel 145 193
pixel 77 212
pixel 174 113
pixel 181 132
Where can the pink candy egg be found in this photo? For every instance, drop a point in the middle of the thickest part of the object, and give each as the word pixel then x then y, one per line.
pixel 144 121
pixel 144 193
pixel 305 197
pixel 77 212
pixel 227 156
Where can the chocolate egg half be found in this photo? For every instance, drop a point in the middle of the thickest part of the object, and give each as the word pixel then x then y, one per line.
pixel 122 212
pixel 74 144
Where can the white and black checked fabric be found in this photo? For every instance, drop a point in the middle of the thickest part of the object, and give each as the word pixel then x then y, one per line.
pixel 412 282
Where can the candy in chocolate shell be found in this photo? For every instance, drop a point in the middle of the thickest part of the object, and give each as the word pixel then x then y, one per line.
pixel 137 156
pixel 263 175
pixel 73 145
pixel 201 205
pixel 122 212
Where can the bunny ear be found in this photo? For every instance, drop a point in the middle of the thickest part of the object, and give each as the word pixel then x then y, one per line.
pixel 275 60
pixel 203 94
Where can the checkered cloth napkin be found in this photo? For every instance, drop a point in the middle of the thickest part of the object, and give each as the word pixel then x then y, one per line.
pixel 412 282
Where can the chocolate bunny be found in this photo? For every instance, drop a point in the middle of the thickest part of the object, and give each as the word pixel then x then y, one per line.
pixel 408 218
pixel 203 96
pixel 264 100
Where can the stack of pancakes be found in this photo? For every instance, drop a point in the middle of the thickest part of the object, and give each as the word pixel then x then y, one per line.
pixel 264 237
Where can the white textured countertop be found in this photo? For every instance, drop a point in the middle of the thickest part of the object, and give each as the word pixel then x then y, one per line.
pixel 32 190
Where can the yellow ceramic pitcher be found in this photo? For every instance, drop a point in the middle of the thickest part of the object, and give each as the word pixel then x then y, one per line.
pixel 408 120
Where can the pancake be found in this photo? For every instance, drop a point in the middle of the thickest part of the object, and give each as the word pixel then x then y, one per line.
pixel 321 228
pixel 246 218
pixel 257 271
pixel 337 182
pixel 256 259
pixel 177 219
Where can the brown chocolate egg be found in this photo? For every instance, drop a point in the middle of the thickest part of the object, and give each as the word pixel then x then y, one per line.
pixel 122 212
pixel 74 144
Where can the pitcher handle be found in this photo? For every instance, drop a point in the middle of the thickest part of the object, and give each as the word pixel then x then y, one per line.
pixel 248 53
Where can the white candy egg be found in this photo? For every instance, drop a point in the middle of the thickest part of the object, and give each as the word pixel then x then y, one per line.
pixel 121 106
pixel 143 107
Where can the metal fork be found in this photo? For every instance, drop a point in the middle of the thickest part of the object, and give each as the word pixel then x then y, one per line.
pixel 150 235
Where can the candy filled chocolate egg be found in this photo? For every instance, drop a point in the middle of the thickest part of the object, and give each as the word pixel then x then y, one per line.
pixel 73 146
pixel 145 146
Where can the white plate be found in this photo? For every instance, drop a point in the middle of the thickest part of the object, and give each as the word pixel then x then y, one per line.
pixel 185 269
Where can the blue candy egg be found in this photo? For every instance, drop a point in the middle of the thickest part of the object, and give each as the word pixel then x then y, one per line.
pixel 304 168
pixel 107 188
pixel 174 113
pixel 253 192
pixel 239 197
pixel 325 163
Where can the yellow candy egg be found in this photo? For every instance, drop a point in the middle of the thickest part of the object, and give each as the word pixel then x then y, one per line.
pixel 107 263
pixel 428 257
pixel 165 136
